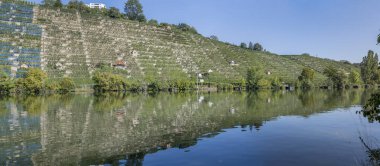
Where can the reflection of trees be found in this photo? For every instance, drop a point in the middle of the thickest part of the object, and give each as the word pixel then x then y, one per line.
pixel 85 129
pixel 371 109
pixel 373 153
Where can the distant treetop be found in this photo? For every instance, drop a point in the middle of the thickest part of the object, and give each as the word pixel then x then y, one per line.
pixel 134 10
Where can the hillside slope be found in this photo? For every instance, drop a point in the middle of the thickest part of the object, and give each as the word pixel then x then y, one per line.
pixel 71 44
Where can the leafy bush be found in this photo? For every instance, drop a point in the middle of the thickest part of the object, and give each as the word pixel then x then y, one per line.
pixel 6 84
pixel 187 28
pixel 66 85
pixel 33 81
pixel 105 81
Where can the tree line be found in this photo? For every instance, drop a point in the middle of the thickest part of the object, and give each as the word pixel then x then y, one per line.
pixel 34 81
pixel 251 46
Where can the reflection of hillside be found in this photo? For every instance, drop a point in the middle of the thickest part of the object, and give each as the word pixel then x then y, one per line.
pixel 86 130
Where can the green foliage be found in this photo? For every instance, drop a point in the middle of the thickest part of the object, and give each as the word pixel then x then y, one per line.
pixel 58 4
pixel 336 77
pixel 6 84
pixel 276 83
pixel 263 84
pixel 105 81
pixel 134 10
pixel 250 46
pixel 306 78
pixel 77 5
pixel 243 45
pixel 114 13
pixel 254 75
pixel 354 78
pixel 371 109
pixel 378 39
pixel 66 85
pixel 187 28
pixel 52 86
pixel 257 47
pixel 369 68
pixel 33 81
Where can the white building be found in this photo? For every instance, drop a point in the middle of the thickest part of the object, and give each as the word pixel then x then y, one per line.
pixel 96 5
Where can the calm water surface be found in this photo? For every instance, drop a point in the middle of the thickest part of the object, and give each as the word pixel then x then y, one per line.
pixel 264 128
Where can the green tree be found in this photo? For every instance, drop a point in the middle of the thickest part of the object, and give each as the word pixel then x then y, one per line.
pixel 58 4
pixel 134 10
pixel 243 45
pixel 250 46
pixel 105 81
pixel 114 13
pixel 276 83
pixel 307 74
pixel 263 83
pixel 33 81
pixel 253 77
pixel 76 4
pixel 337 77
pixel 369 68
pixel 306 78
pixel 257 47
pixel 354 78
pixel 6 83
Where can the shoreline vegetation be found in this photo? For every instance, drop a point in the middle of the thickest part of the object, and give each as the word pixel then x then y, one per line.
pixel 109 79
pixel 35 82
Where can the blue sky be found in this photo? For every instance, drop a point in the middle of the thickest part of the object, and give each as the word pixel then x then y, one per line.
pixel 334 29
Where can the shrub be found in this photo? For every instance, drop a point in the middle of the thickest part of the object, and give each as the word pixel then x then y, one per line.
pixel 6 84
pixel 66 85
pixel 33 81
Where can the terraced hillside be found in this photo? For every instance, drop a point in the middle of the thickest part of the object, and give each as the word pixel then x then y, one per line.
pixel 71 44
pixel 20 39
pixel 319 64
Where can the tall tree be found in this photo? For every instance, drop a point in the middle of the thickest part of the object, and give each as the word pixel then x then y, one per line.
pixel 254 75
pixel 134 10
pixel 369 68
pixel 336 77
pixel 354 78
pixel 250 46
pixel 258 47
pixel 306 78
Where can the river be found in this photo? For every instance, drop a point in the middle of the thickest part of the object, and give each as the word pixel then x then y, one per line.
pixel 262 128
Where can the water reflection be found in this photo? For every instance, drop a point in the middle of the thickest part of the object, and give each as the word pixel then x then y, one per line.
pixel 121 129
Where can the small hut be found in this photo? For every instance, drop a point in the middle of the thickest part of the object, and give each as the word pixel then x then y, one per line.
pixel 120 64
